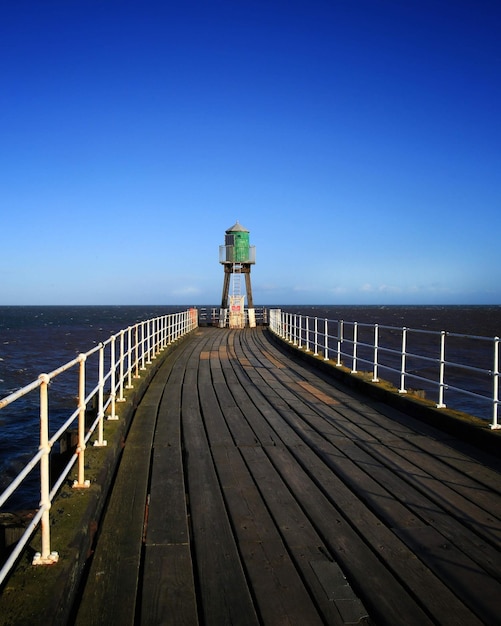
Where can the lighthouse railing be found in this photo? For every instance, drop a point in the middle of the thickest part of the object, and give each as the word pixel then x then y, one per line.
pixel 459 371
pixel 237 254
pixel 97 381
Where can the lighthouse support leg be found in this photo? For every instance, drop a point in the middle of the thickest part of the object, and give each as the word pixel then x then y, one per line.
pixel 224 300
pixel 248 288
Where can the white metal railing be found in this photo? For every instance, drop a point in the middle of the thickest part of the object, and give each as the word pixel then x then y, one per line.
pixel 102 375
pixel 236 254
pixel 213 316
pixel 471 369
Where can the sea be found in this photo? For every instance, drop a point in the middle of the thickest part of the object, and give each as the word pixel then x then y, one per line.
pixel 37 339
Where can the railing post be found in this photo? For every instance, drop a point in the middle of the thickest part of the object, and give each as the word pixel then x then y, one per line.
pixel 154 338
pixel 326 344
pixel 121 376
pixel 315 337
pixel 375 379
pixel 100 442
pixel 136 350
pixel 340 339
pixel 441 383
pixel 307 332
pixel 355 338
pixel 165 329
pixel 158 336
pixel 495 387
pixel 129 358
pixel 149 341
pixel 300 338
pixel 402 366
pixel 153 344
pixel 44 557
pixel 113 383
pixel 81 483
pixel 143 342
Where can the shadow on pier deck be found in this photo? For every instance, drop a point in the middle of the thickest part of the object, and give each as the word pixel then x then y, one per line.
pixel 253 491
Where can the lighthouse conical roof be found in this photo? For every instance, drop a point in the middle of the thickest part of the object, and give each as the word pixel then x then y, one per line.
pixel 237 227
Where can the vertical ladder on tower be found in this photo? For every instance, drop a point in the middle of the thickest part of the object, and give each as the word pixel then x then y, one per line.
pixel 237 309
pixel 236 291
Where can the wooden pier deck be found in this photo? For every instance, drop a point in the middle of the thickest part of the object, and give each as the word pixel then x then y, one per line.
pixel 254 491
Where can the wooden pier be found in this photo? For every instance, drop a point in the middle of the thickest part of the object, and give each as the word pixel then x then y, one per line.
pixel 253 490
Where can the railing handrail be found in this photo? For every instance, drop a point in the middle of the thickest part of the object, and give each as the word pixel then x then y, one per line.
pixel 137 346
pixel 334 336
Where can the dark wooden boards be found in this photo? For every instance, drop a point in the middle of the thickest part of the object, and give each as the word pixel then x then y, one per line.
pixel 113 581
pixel 268 494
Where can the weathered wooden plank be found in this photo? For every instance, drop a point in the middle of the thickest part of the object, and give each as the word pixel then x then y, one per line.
pixel 276 584
pixel 168 430
pixel 479 591
pixel 304 544
pixel 269 485
pixel 220 434
pixel 224 593
pixel 167 521
pixel 481 467
pixel 377 535
pixel 409 527
pixel 459 486
pixel 168 586
pixel 429 511
pixel 111 588
pixel 395 586
pixel 471 515
pixel 170 597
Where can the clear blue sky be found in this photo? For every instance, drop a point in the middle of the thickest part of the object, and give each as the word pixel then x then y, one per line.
pixel 358 140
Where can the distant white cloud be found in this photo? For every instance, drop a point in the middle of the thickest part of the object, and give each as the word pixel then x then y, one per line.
pixel 189 290
pixel 368 288
pixel 303 289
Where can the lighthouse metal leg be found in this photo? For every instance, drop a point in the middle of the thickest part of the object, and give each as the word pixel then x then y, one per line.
pixel 248 289
pixel 224 300
pixel 226 286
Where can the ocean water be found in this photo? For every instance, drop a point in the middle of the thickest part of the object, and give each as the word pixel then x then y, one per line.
pixel 35 339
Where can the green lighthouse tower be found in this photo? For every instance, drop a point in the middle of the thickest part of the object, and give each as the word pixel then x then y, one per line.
pixel 236 256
